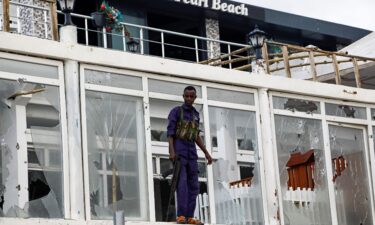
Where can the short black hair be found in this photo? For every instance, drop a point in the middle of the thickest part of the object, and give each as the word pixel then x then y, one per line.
pixel 190 88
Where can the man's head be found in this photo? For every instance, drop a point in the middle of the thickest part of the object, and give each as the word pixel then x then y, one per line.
pixel 190 94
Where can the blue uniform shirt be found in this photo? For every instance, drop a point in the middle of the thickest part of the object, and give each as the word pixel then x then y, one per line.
pixel 183 148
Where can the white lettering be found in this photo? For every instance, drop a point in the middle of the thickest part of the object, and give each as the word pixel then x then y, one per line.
pixel 205 3
pixel 216 4
pixel 238 10
pixel 244 10
pixel 224 7
pixel 231 8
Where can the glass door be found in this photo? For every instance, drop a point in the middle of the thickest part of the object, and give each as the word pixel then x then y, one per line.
pixel 350 170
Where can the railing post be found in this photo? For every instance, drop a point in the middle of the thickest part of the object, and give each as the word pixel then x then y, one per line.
pixel 336 68
pixel 124 37
pixel 86 32
pixel 6 20
pixel 141 41
pixel 313 66
pixel 286 61
pixel 162 45
pixel 104 38
pixel 229 57
pixel 356 72
pixel 196 49
pixel 265 57
pixel 55 29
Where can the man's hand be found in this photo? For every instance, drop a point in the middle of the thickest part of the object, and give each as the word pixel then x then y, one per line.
pixel 172 156
pixel 209 158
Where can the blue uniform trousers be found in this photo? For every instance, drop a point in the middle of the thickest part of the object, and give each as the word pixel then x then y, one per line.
pixel 187 188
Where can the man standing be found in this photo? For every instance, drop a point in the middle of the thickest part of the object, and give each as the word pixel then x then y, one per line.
pixel 183 134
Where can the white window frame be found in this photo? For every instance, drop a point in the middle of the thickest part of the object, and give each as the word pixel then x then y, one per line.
pixel 59 83
pixel 358 123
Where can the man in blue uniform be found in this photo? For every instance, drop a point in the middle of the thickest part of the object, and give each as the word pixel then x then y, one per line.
pixel 183 134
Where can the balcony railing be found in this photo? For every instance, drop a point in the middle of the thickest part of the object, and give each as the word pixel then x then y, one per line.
pixel 279 59
pixel 308 63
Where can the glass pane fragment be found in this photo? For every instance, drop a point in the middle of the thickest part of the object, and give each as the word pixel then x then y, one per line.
pixel 302 170
pixel 28 68
pixel 113 79
pixel 116 155
pixel 31 151
pixel 294 104
pixel 345 111
pixel 230 96
pixel 171 88
pixel 350 175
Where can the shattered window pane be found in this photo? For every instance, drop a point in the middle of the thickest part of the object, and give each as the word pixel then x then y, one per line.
pixel 171 88
pixel 351 179
pixel 230 96
pixel 345 111
pixel 116 155
pixel 31 151
pixel 373 114
pixel 234 130
pixel 159 111
pixel 28 68
pixel 302 205
pixel 294 104
pixel 113 79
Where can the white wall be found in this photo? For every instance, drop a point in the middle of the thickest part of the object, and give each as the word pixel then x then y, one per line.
pixel 359 13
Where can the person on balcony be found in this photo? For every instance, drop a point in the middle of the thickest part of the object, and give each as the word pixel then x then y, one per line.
pixel 183 134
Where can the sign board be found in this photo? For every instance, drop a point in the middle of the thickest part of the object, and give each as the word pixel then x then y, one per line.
pixel 218 5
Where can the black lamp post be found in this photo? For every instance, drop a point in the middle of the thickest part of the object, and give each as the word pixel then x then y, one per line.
pixel 67 7
pixel 256 39
pixel 132 45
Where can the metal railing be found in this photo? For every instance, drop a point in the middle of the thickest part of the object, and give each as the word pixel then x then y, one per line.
pixel 279 59
pixel 153 41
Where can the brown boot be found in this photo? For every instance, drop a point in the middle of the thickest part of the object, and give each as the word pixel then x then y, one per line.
pixel 181 220
pixel 191 220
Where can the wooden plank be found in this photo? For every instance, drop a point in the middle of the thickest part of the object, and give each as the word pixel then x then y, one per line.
pixel 286 61
pixel 55 29
pixel 225 55
pixel 312 66
pixel 336 69
pixel 265 57
pixel 356 73
pixel 320 51
pixel 6 20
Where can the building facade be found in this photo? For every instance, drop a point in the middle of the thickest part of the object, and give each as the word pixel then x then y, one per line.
pixel 83 128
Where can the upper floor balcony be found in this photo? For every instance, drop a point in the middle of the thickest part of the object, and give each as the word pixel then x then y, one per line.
pixel 352 66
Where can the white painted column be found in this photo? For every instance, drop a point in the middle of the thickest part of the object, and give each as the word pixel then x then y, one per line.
pixel 210 177
pixel 150 174
pixel 68 35
pixel 142 160
pixel 268 156
pixel 15 165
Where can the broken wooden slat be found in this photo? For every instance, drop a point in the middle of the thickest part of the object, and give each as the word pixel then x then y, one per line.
pixel 286 61
pixel 312 66
pixel 265 57
pixel 336 68
pixel 356 72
